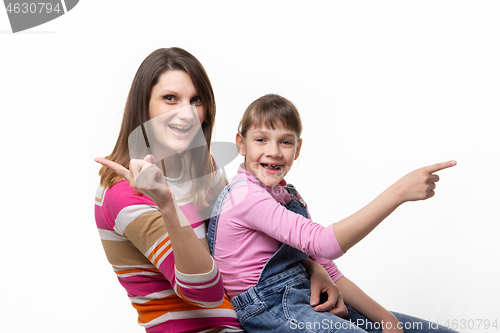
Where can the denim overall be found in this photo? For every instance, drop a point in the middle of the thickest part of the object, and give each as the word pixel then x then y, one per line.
pixel 282 293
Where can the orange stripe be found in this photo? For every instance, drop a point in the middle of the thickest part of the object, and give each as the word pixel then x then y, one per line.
pixel 158 307
pixel 226 303
pixel 152 254
pixel 161 254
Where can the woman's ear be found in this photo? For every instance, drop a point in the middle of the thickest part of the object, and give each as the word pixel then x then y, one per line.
pixel 240 144
pixel 297 151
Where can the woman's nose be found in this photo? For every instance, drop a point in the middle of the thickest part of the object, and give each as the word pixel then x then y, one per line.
pixel 186 112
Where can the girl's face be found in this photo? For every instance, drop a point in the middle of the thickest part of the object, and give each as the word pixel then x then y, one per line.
pixel 176 111
pixel 269 153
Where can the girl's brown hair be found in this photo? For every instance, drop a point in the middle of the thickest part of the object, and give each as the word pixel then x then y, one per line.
pixel 136 113
pixel 270 111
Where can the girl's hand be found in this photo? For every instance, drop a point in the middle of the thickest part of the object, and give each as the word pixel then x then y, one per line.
pixel 419 184
pixel 145 177
pixel 322 283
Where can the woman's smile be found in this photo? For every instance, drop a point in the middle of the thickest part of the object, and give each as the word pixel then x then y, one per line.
pixel 180 131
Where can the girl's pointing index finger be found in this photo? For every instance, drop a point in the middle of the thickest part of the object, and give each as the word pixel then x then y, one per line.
pixel 440 166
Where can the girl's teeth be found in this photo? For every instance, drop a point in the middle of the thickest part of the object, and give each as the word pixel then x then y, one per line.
pixel 270 166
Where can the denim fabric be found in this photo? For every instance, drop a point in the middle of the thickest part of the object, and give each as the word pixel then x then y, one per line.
pixel 219 203
pixel 279 302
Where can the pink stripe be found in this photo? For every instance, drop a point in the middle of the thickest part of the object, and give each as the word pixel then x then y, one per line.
pixel 211 294
pixel 120 196
pixel 99 219
pixel 143 285
pixel 192 214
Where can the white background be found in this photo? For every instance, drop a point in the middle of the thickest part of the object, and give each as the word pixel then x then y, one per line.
pixel 384 87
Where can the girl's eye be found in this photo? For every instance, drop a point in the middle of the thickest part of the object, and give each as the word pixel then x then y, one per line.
pixel 286 142
pixel 196 100
pixel 260 140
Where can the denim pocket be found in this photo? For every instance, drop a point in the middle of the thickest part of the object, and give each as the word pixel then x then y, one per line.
pixel 256 318
pixel 296 298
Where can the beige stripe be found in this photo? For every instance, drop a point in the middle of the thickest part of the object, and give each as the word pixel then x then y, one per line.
pixel 130 214
pixel 123 254
pixel 99 195
pixel 146 230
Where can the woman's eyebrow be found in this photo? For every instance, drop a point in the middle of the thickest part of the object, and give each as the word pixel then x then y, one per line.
pixel 168 91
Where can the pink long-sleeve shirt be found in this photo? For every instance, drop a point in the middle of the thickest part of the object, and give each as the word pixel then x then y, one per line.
pixel 253 224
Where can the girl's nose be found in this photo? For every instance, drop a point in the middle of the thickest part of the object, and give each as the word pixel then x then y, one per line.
pixel 273 150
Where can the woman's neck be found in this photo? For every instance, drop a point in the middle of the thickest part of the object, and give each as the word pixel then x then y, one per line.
pixel 171 166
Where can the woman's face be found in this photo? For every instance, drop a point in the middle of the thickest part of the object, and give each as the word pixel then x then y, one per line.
pixel 176 112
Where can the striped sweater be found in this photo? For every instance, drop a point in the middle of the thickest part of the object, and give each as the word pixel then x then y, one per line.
pixel 137 245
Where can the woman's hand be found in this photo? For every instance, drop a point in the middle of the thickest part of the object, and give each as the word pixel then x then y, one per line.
pixel 322 283
pixel 145 177
pixel 419 184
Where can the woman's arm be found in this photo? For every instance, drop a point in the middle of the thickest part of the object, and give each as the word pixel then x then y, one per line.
pixel 367 306
pixel 191 257
pixel 417 185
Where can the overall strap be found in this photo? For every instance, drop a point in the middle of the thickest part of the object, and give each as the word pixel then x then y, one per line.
pixel 286 257
pixel 214 219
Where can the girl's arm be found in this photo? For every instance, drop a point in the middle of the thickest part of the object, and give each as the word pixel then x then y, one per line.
pixel 367 306
pixel 417 185
pixel 321 282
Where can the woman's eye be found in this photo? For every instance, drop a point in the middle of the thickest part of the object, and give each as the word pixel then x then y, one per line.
pixel 196 100
pixel 169 98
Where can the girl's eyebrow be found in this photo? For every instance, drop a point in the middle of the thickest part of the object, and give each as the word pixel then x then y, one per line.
pixel 263 132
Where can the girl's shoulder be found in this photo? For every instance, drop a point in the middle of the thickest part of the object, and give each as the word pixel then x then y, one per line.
pixel 246 189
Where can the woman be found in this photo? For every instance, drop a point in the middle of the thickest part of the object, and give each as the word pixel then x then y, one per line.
pixel 171 109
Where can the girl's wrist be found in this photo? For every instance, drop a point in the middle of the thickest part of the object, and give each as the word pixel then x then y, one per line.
pixel 390 321
pixel 395 194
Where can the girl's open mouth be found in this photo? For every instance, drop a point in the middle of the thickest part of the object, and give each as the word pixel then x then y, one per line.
pixel 272 167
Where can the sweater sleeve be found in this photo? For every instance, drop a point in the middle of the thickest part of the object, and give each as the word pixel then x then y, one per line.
pixel 137 219
pixel 254 208
pixel 329 266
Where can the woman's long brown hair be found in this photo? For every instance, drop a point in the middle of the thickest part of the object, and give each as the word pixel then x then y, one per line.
pixel 136 113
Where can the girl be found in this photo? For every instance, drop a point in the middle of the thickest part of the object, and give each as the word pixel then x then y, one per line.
pixel 155 238
pixel 261 232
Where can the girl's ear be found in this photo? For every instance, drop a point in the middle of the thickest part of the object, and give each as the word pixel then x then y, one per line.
pixel 240 144
pixel 297 151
